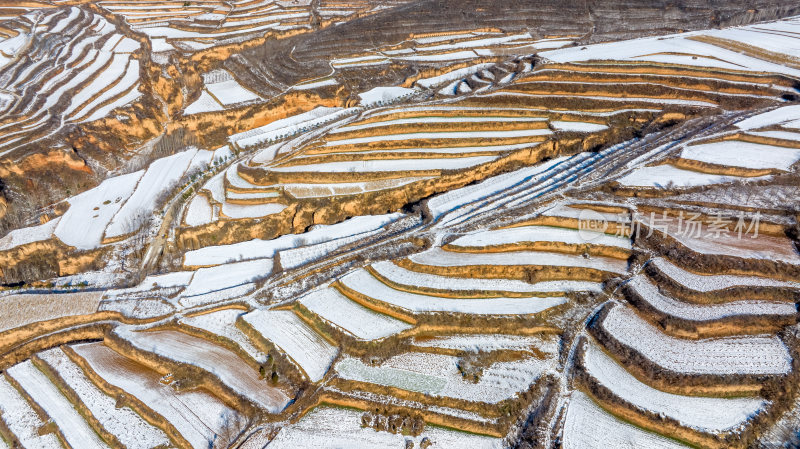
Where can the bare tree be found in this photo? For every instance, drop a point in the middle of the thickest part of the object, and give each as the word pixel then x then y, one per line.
pixel 233 426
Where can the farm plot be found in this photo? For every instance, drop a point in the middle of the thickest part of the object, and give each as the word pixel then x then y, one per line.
pixel 439 257
pixel 221 91
pixel 676 49
pixel 199 212
pixel 521 237
pixel 690 312
pixel 203 25
pixel 309 350
pixel 196 415
pixel 708 283
pixel 727 242
pixel 222 277
pixel 666 176
pixel 490 342
pixel 587 426
pixel 363 283
pixel 714 415
pixel 22 420
pixel 415 282
pixel 331 428
pixel 20 310
pixel 127 426
pixel 85 222
pixel 756 355
pixel 388 165
pixel 743 154
pixel 215 191
pixel 289 126
pixel 309 190
pixel 75 430
pixel 438 375
pixel 231 370
pixel 254 249
pixel 82 68
pixel 223 323
pixel 331 305
pixel 25 236
pixel 161 176
pixel 784 116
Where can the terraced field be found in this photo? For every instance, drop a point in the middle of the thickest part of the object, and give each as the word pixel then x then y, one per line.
pixel 82 68
pixel 527 241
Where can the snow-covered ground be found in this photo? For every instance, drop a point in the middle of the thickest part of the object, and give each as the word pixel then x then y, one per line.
pixel 22 420
pixel 230 93
pixel 198 416
pixel 335 428
pixel 663 176
pixel 490 342
pixel 780 116
pixel 737 153
pixel 167 280
pixel 438 257
pixel 220 277
pixel 205 103
pixel 310 190
pixel 438 375
pixel 580 127
pixel 199 211
pixel 22 309
pixel 691 312
pixel 748 245
pixel 384 95
pixel 223 323
pixel 452 75
pixel 587 426
pixel 24 236
pixel 220 362
pixel 535 132
pixel 731 355
pixel 84 223
pixel 257 248
pixel 408 278
pixel 520 234
pixel 676 49
pixel 291 335
pixel 122 422
pixel 364 282
pixel 159 177
pixel 388 165
pixel 355 319
pixel 455 199
pixel 290 125
pixel 706 414
pixel 708 283
pixel 74 428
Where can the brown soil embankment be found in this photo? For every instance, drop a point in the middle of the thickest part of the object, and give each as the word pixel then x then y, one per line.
pixel 188 376
pixel 689 259
pixel 651 373
pixel 446 293
pixel 727 294
pixel 651 420
pixel 730 325
pixel 530 273
pixel 126 399
pixel 558 247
